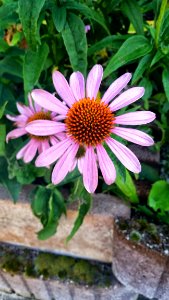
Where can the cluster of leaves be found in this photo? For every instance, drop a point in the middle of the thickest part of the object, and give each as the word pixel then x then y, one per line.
pixel 125 35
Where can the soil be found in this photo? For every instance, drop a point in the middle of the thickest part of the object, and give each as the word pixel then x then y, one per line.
pixel 141 231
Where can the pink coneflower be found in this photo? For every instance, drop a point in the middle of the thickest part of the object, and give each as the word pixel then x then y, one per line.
pixel 89 124
pixel 36 143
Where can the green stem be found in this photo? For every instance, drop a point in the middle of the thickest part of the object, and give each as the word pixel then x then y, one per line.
pixel 159 20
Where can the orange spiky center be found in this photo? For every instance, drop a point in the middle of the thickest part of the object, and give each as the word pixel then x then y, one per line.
pixel 89 122
pixel 40 115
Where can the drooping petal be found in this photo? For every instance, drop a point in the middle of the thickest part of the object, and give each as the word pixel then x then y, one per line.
pixel 44 127
pixel 63 165
pixel 44 145
pixel 135 118
pixel 31 103
pixel 24 110
pixel 93 81
pixel 106 165
pixel 53 153
pixel 80 164
pixel 77 85
pixel 127 98
pixel 14 134
pixel 116 87
pixel 62 87
pixel 90 171
pixel 48 101
pixel 22 151
pixel 31 150
pixel 53 140
pixel 134 136
pixel 59 118
pixel 20 119
pixel 125 155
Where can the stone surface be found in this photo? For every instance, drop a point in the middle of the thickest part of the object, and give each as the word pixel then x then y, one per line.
pixel 93 240
pixel 57 290
pixel 140 268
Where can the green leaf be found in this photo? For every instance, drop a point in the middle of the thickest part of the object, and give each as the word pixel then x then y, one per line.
pixel 3 46
pixel 112 41
pixel 74 38
pixel 11 65
pixel 56 208
pixel 147 84
pixel 11 185
pixel 2 139
pixel 79 192
pixel 72 176
pixel 33 65
pixel 143 65
pixel 59 17
pixel 133 48
pixel 165 79
pixel 132 10
pixel 149 173
pixel 29 11
pixel 127 187
pixel 8 14
pixel 158 56
pixel 159 196
pixel 2 109
pixel 87 12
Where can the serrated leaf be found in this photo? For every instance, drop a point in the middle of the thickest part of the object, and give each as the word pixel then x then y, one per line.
pixel 33 65
pixel 143 65
pixel 132 10
pixel 159 196
pixel 165 80
pixel 59 17
pixel 133 48
pixel 29 11
pixel 74 38
pixel 87 12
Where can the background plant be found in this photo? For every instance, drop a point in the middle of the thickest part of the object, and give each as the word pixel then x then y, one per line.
pixel 37 36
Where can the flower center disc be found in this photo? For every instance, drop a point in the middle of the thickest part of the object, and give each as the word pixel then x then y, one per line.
pixel 40 115
pixel 89 122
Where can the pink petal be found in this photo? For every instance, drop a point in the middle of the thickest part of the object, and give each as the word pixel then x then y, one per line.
pixel 125 155
pixel 80 164
pixel 53 153
pixel 31 150
pixel 48 101
pixel 77 85
pixel 31 103
pixel 62 87
pixel 43 146
pixel 116 87
pixel 14 134
pixel 134 135
pixel 72 166
pixel 63 165
pixel 127 98
pixel 53 140
pixel 44 127
pixel 90 171
pixel 106 165
pixel 135 118
pixel 22 151
pixel 24 110
pixel 93 81
pixel 58 118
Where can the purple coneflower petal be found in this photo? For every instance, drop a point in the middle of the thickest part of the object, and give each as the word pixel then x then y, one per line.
pixel 93 81
pixel 14 134
pixel 59 118
pixel 135 118
pixel 116 87
pixel 53 153
pixel 72 165
pixel 44 145
pixel 125 155
pixel 62 166
pixel 22 151
pixel 80 164
pixel 106 165
pixel 53 140
pixel 90 171
pixel 24 110
pixel 30 151
pixel 48 101
pixel 77 85
pixel 127 98
pixel 44 127
pixel 62 87
pixel 31 103
pixel 134 136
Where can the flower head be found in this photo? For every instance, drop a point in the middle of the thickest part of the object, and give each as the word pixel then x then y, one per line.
pixel 89 123
pixel 36 143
